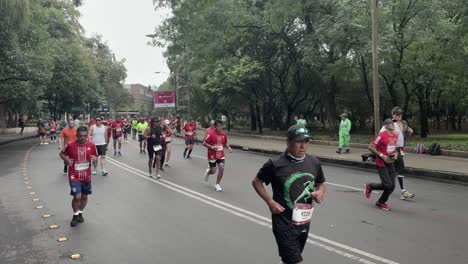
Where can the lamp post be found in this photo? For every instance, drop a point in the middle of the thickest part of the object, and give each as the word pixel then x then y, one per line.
pixel 375 67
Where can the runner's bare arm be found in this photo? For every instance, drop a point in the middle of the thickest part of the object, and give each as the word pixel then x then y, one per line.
pixel 275 207
pixel 147 132
pixel 90 134
pixel 373 148
pixel 319 192
pixel 65 158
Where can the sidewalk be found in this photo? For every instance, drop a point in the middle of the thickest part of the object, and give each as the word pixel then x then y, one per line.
pixel 12 137
pixel 442 167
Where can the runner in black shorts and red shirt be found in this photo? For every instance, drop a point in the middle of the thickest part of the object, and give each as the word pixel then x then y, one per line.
pixel 78 155
pixel 297 180
pixel 190 132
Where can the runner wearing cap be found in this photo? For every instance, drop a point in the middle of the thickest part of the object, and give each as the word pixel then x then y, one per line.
pixel 384 147
pixel 404 131
pixel 153 135
pixel 215 141
pixel 190 136
pixel 345 138
pixel 297 180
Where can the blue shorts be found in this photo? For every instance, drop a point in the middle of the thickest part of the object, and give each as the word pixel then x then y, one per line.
pixel 80 187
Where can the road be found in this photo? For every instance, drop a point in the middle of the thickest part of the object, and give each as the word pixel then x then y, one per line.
pixel 180 219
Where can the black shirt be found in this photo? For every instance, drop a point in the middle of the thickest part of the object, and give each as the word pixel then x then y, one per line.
pixel 157 131
pixel 289 178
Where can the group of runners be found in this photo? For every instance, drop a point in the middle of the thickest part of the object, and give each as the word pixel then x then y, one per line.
pixel 297 178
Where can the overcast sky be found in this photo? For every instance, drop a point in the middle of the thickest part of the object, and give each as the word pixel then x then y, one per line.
pixel 124 24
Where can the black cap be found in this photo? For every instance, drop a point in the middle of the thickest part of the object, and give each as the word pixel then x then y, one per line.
pixel 154 119
pixel 298 133
pixel 396 109
pixel 388 121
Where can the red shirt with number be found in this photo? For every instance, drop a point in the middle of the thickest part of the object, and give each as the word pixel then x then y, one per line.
pixel 80 170
pixel 117 128
pixel 218 141
pixel 189 130
pixel 385 144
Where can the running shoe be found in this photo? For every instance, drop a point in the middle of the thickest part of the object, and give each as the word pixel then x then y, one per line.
pixel 120 153
pixel 144 151
pixel 94 172
pixel 104 173
pixel 74 221
pixel 150 174
pixel 188 157
pixel 338 151
pixel 406 195
pixel 347 151
pixel 218 188
pixel 42 143
pixel 161 169
pixel 367 190
pixel 141 151
pixel 383 206
pixel 115 153
pixel 184 155
pixel 46 143
pixel 158 176
pixel 207 175
pixel 167 165
pixel 80 218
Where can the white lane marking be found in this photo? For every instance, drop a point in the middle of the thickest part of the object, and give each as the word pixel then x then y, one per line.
pixel 328 183
pixel 244 214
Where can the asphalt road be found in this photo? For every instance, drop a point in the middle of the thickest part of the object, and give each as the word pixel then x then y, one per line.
pixel 181 219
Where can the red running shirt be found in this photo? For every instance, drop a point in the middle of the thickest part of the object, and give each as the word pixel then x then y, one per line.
pixel 218 141
pixel 386 145
pixel 117 128
pixel 80 170
pixel 189 130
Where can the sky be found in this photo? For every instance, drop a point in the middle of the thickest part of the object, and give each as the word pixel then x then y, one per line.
pixel 123 25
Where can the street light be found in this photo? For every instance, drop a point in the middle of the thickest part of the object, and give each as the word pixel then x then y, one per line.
pixel 375 67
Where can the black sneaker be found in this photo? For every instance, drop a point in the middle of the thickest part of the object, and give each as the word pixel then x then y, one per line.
pixel 188 157
pixel 80 218
pixel 184 155
pixel 161 169
pixel 347 151
pixel 115 153
pixel 74 221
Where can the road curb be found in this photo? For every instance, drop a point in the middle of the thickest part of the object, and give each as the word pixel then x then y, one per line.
pixel 415 172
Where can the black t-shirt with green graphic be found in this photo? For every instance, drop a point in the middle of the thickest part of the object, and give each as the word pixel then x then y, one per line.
pixel 289 179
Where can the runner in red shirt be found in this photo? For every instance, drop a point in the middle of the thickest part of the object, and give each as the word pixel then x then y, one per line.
pixel 190 133
pixel 117 133
pixel 215 141
pixel 384 147
pixel 53 131
pixel 78 155
pixel 178 124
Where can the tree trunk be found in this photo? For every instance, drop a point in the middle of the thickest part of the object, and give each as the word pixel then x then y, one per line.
pixel 423 107
pixel 253 118
pixel 460 121
pixel 259 118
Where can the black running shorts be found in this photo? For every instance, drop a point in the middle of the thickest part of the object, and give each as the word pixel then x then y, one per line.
pixel 291 241
pixel 213 164
pixel 400 164
pixel 189 141
pixel 101 150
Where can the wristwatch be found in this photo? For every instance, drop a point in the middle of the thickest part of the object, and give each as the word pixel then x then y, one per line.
pixel 381 155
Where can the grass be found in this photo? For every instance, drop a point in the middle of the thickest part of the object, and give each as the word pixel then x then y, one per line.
pixel 446 141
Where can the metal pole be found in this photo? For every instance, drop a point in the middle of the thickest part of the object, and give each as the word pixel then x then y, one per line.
pixel 188 80
pixel 375 67
pixel 176 76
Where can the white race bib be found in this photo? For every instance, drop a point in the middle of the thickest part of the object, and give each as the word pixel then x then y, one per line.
pixel 190 133
pixel 81 166
pixel 219 147
pixel 402 152
pixel 390 149
pixel 118 129
pixel 168 139
pixel 157 147
pixel 302 213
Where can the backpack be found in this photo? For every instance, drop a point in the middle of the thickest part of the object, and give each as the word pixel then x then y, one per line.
pixel 368 158
pixel 420 149
pixel 434 149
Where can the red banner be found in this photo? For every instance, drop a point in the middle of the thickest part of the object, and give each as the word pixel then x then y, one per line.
pixel 164 99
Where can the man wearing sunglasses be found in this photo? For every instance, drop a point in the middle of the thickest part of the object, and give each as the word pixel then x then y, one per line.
pixel 403 131
pixel 297 180
pixel 98 135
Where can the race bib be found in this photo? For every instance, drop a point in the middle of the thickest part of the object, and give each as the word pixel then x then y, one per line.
pixel 190 133
pixel 157 148
pixel 118 129
pixel 81 166
pixel 302 213
pixel 390 149
pixel 168 139
pixel 219 147
pixel 402 152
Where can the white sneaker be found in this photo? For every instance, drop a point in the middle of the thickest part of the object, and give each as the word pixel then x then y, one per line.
pixel 207 175
pixel 218 188
pixel 150 174
pixel 94 172
pixel 158 176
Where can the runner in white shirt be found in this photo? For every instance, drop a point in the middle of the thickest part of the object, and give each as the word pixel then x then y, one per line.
pixel 98 135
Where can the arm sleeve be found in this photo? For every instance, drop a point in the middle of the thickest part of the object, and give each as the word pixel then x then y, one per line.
pixel 266 173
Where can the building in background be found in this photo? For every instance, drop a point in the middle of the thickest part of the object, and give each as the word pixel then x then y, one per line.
pixel 142 98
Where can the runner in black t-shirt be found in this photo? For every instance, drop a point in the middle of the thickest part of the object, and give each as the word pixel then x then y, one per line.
pixel 153 136
pixel 297 180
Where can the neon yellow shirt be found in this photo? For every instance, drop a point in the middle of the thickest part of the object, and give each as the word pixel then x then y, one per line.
pixel 141 127
pixel 134 124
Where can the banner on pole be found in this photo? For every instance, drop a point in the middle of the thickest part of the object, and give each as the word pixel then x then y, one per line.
pixel 164 99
